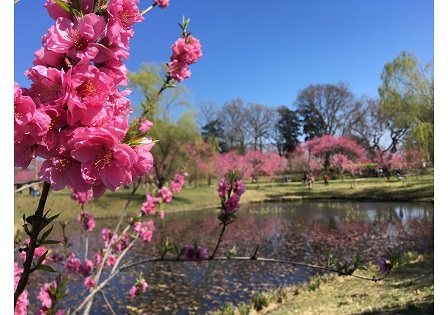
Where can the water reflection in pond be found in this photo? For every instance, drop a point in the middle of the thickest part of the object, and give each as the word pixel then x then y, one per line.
pixel 305 231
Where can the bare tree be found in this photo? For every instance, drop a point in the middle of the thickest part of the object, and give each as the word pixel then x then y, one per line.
pixel 234 124
pixel 372 127
pixel 328 109
pixel 207 113
pixel 260 122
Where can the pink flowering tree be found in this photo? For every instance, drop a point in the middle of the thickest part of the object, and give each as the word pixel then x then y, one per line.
pixel 224 162
pixel 342 163
pixel 322 149
pixel 200 160
pixel 413 159
pixel 257 163
pixel 389 161
pixel 250 165
pixel 298 160
pixel 302 162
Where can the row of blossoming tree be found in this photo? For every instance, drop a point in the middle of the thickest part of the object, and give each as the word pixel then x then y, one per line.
pixel 75 117
pixel 320 155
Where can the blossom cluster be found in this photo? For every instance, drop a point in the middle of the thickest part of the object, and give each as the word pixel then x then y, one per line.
pixel 45 295
pixel 177 183
pixel 139 287
pixel 185 51
pixel 230 192
pixel 87 220
pixel 190 252
pixel 75 113
pixel 82 197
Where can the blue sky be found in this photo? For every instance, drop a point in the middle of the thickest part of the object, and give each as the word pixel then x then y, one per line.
pixel 265 51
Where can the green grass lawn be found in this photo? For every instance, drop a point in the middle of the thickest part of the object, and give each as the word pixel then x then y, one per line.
pixel 419 188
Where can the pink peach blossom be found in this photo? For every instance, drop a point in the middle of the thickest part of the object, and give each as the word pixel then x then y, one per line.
pixel 125 11
pixel 78 40
pixel 89 282
pixel 72 263
pixel 149 206
pixel 186 50
pixel 239 188
pixel 145 160
pixel 87 220
pixel 179 70
pixel 104 160
pixel 145 230
pixel 162 3
pixel 145 125
pixel 165 195
pixel 223 188
pixel 45 294
pixel 133 292
pixel 232 204
pixel 55 11
pixel 47 85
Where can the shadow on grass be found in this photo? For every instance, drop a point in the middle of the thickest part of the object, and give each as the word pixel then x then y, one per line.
pixel 409 279
pixel 411 309
pixel 408 193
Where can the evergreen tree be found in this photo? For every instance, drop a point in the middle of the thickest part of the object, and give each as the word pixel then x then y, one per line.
pixel 288 130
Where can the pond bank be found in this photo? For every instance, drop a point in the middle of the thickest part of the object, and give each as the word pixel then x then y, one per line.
pixel 408 290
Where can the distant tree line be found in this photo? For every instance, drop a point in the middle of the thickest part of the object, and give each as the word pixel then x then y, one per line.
pixel 402 114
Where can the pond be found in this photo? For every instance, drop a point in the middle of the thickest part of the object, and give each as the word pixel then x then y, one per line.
pixel 302 231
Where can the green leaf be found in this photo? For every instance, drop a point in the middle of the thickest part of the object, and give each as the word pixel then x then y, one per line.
pixel 53 217
pixel 330 262
pixel 45 268
pixel 45 235
pixel 138 140
pixel 41 259
pixel 50 242
pixel 231 252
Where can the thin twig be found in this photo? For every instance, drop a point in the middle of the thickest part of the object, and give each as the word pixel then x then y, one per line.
pixel 146 10
pixel 219 240
pixel 107 303
pixel 254 256
pixel 109 248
